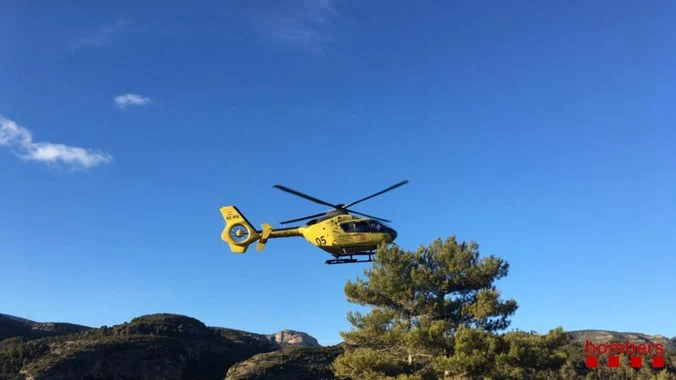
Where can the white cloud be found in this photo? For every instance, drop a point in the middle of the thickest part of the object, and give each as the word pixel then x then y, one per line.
pixel 309 24
pixel 124 26
pixel 101 36
pixel 125 100
pixel 21 140
pixel 11 133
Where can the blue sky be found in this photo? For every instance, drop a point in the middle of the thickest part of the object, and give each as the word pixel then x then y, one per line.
pixel 545 132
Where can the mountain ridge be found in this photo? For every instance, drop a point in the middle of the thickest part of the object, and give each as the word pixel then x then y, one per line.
pixel 150 346
pixel 280 338
pixel 165 345
pixel 43 324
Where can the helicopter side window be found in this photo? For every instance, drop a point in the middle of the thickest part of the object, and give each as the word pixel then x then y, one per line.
pixel 348 227
pixel 362 227
pixel 356 227
pixel 375 227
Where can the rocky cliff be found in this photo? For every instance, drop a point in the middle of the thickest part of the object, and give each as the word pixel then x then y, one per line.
pixel 287 338
pixel 279 340
pixel 158 346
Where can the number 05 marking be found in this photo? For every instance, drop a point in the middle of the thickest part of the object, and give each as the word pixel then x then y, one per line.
pixel 320 240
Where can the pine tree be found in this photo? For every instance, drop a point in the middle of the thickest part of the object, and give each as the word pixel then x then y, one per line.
pixel 436 313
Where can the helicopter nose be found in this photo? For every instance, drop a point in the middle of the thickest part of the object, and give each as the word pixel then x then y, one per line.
pixel 393 233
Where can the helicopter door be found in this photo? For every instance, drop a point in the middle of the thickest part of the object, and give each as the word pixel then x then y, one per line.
pixel 347 233
pixel 362 230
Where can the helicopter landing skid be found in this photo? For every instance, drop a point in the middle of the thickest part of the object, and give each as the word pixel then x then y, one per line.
pixel 349 259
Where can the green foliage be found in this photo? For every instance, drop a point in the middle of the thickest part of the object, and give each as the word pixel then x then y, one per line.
pixel 529 355
pixel 163 325
pixel 15 353
pixel 436 314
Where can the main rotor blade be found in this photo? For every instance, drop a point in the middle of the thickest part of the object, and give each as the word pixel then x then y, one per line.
pixel 299 219
pixel 402 183
pixel 297 193
pixel 369 216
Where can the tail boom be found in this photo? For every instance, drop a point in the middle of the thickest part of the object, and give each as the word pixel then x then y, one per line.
pixel 239 233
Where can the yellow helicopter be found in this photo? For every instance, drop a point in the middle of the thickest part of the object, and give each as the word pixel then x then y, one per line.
pixel 336 231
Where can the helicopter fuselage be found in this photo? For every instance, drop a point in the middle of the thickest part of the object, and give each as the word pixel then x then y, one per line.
pixel 343 234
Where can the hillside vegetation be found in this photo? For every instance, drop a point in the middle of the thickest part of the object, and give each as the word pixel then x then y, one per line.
pixel 435 314
pixel 177 347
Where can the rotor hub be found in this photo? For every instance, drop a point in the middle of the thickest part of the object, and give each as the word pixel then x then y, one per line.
pixel 239 233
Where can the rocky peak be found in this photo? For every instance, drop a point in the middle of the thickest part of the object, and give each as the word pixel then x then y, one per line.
pixel 286 338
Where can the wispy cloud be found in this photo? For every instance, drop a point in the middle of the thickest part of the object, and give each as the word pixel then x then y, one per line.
pixel 125 100
pixel 20 139
pixel 309 24
pixel 123 25
pixel 101 36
